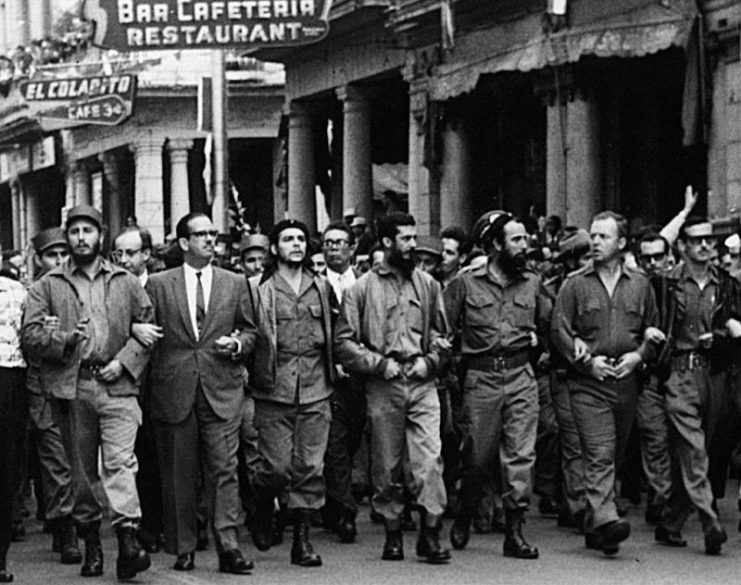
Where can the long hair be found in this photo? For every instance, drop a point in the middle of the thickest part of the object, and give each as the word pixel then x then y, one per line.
pixel 271 260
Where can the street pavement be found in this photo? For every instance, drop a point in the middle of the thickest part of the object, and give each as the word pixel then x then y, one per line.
pixel 563 559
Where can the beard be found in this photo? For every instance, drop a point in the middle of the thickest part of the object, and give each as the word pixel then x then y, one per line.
pixel 512 264
pixel 83 258
pixel 397 260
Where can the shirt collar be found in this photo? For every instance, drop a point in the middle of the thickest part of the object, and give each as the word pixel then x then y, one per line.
pixel 205 271
pixel 590 269
pixel 71 268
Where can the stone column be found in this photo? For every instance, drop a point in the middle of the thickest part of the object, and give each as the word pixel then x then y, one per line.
pixel 574 176
pixel 16 198
pixel 81 182
pixel 301 175
pixel 179 190
pixel 149 201
pixel 455 179
pixel 32 197
pixel 357 170
pixel 421 200
pixel 112 191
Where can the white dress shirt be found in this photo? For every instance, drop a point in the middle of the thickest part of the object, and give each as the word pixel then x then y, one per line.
pixel 191 281
pixel 143 278
pixel 341 282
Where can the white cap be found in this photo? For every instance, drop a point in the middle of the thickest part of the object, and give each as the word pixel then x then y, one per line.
pixel 733 243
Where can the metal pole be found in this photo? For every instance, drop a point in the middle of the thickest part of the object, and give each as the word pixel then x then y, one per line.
pixel 220 208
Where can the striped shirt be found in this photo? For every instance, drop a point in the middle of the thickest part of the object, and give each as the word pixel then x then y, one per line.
pixel 12 299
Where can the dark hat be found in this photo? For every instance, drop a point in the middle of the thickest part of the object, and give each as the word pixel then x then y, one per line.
pixel 254 241
pixel 573 241
pixel 430 244
pixel 482 232
pixel 48 238
pixel 85 212
pixel 285 224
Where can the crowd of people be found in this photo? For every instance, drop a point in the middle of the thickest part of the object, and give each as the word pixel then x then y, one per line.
pixel 451 377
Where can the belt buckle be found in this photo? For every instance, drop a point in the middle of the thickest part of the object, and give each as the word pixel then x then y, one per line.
pixel 499 363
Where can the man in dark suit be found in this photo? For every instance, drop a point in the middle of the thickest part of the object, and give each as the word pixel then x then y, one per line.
pixel 197 392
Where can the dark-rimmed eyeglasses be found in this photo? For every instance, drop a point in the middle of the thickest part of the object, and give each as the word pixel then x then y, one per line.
pixel 204 234
pixel 341 243
pixel 697 240
pixel 119 254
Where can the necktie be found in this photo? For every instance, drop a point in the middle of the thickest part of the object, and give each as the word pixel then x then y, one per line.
pixel 200 304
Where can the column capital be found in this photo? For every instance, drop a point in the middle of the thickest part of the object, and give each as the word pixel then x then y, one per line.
pixel 351 93
pixel 147 146
pixel 179 144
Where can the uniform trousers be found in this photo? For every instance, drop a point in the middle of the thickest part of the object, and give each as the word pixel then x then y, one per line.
pixel 346 433
pixel 693 401
pixel 572 462
pixel 604 413
pixel 54 465
pixel 500 421
pixel 547 447
pixel 208 442
pixel 654 434
pixel 404 419
pixel 13 413
pixel 97 422
pixel 292 439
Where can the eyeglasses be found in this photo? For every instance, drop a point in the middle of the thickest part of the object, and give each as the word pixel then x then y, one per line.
pixel 203 234
pixel 119 254
pixel 658 257
pixel 697 240
pixel 335 243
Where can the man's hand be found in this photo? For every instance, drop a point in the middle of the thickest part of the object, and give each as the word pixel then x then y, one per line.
pixel 80 331
pixel 441 344
pixel 581 350
pixel 417 370
pixel 111 372
pixel 654 335
pixel 51 322
pixel 627 363
pixel 734 328
pixel 601 368
pixel 225 345
pixel 690 198
pixel 393 369
pixel 146 333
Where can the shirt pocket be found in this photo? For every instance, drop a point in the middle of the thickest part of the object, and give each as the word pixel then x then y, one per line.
pixel 317 330
pixel 479 311
pixel 523 313
pixel 590 316
pixel 633 312
pixel 414 316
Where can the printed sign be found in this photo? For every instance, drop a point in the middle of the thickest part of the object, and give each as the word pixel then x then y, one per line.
pixel 104 100
pixel 141 25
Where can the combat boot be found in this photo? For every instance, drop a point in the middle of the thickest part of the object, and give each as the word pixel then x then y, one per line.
pixel 428 542
pixel 302 553
pixel 515 544
pixel 132 559
pixel 460 531
pixel 93 564
pixel 66 540
pixel 261 524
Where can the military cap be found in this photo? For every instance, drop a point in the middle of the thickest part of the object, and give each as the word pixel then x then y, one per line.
pixel 85 212
pixel 48 238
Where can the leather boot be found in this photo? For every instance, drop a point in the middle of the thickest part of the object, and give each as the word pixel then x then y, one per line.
pixel 515 544
pixel 302 553
pixel 393 548
pixel 132 559
pixel 66 539
pixel 261 526
pixel 428 542
pixel 93 564
pixel 460 531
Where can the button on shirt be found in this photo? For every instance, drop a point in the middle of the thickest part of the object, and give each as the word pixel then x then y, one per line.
pixel 12 298
pixel 698 308
pixel 191 282
pixel 496 318
pixel 94 307
pixel 610 326
pixel 404 318
pixel 300 337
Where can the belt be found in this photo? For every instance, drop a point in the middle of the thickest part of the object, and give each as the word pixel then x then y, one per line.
pixel 497 363
pixel 687 361
pixel 89 370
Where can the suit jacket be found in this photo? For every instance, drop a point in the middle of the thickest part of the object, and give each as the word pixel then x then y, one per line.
pixel 180 362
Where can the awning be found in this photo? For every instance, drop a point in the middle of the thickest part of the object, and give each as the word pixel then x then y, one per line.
pixel 600 28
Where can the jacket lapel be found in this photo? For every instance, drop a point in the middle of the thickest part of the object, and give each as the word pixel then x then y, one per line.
pixel 180 294
pixel 216 299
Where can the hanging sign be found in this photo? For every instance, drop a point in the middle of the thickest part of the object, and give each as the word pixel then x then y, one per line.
pixel 141 25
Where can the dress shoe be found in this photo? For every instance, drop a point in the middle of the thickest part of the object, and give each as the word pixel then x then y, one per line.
pixel 185 562
pixel 5 576
pixel 428 542
pixel 460 531
pixel 232 561
pixel 148 541
pixel 613 534
pixel 393 548
pixel 547 506
pixel 346 529
pixel 515 544
pixel 302 553
pixel 715 536
pixel 669 538
pixel 64 533
pixel 92 566
pixel 132 559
